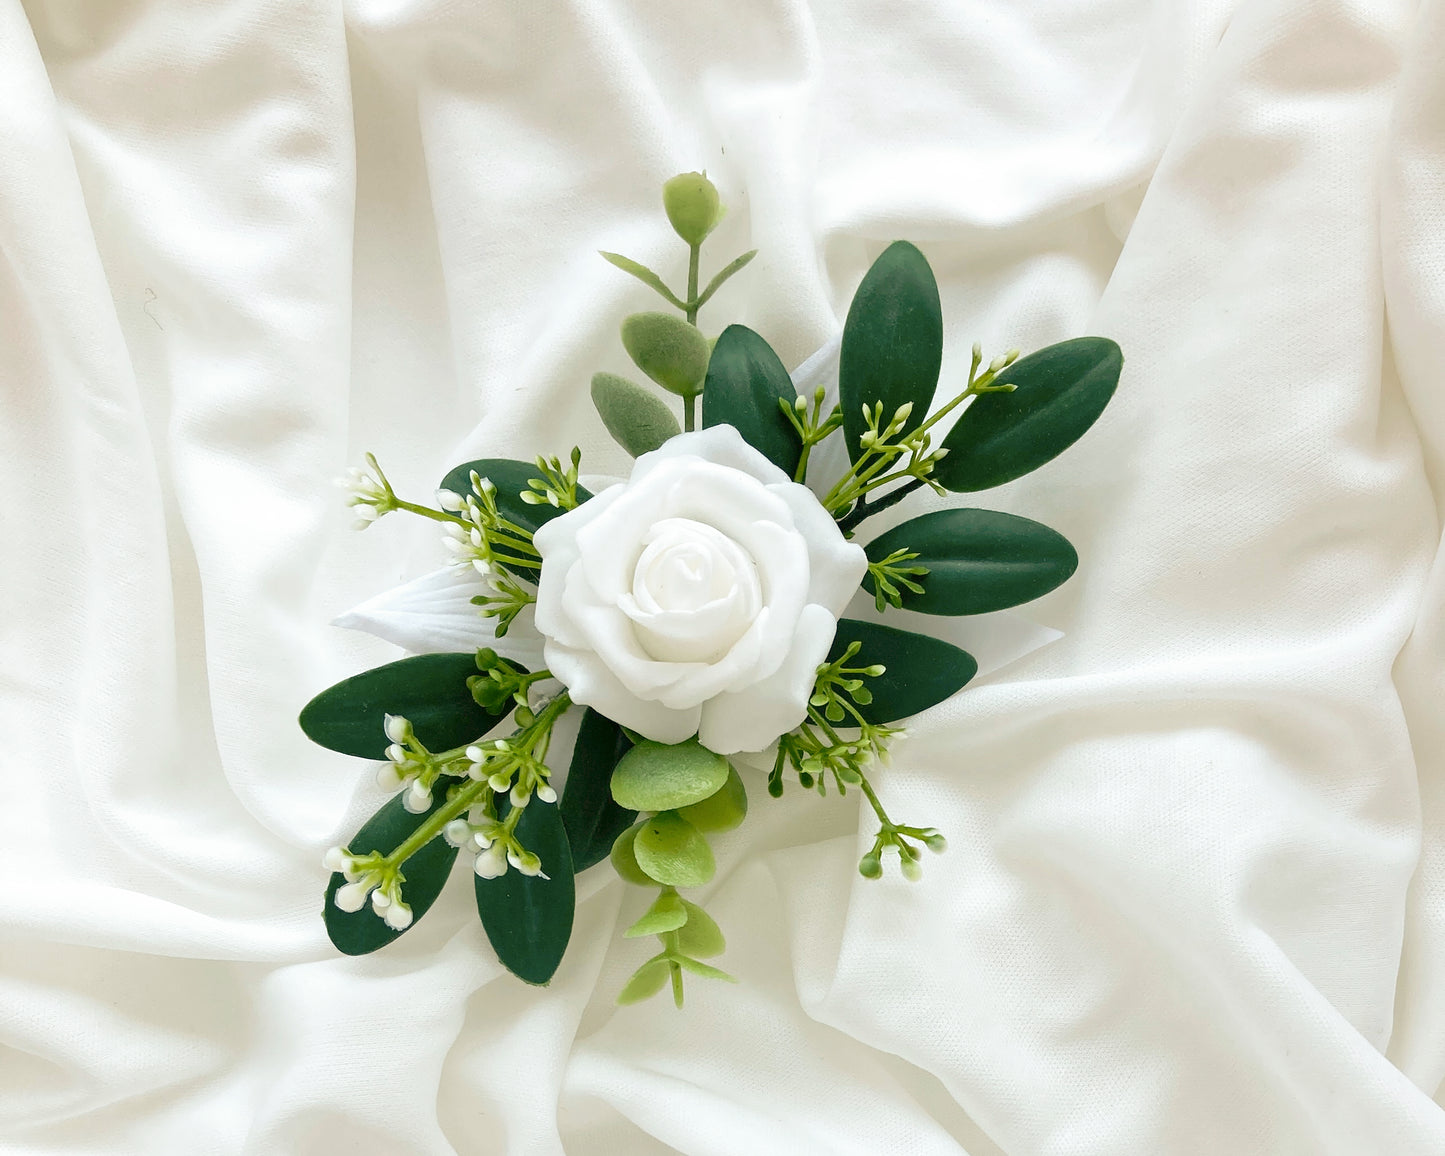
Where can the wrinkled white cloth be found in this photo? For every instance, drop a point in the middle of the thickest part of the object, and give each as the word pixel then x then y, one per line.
pixel 1194 901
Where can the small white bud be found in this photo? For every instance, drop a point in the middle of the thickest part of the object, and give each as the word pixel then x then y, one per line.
pixel 452 503
pixel 458 832
pixel 418 799
pixel 336 859
pixel 351 896
pixel 398 916
pixel 546 793
pixel 492 863
pixel 397 727
pixel 380 900
pixel 388 778
pixel 524 861
pixel 500 782
pixel 396 753
pixel 475 754
pixel 519 797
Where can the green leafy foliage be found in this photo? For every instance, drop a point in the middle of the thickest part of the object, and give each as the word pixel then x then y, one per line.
pixel 745 383
pixel 645 275
pixel 646 982
pixel 429 689
pixel 362 932
pixel 669 350
pixel 671 850
pixel 892 342
pixel 528 918
pixel 976 561
pixel 661 777
pixel 667 913
pixel 624 858
pixel 512 479
pixel 919 671
pixel 638 420
pixel 723 810
pixel 592 817
pixel 692 206
pixel 699 936
pixel 1058 394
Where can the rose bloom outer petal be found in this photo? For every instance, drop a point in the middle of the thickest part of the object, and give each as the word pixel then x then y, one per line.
pixel 591 683
pixel 721 444
pixel 556 541
pixel 751 719
pixel 836 565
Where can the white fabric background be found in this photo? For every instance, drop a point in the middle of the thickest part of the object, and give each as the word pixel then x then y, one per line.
pixel 1195 896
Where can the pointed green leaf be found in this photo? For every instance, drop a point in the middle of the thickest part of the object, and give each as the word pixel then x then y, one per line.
pixel 624 858
pixel 646 982
pixel 727 271
pixel 660 777
pixel 528 918
pixel 1059 393
pixel 669 350
pixel 667 913
pixel 978 560
pixel 921 671
pixel 645 275
pixel 592 817
pixel 706 970
pixel 745 382
pixel 425 873
pixel 700 936
pixel 429 689
pixel 723 810
pixel 671 850
pixel 638 420
pixel 511 478
pixel 892 342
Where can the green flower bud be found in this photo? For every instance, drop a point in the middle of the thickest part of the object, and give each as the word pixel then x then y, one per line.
pixel 692 206
pixel 870 866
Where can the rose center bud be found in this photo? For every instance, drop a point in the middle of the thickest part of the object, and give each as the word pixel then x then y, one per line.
pixel 694 592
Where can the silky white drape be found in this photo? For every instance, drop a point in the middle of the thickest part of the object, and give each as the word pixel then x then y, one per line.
pixel 1194 901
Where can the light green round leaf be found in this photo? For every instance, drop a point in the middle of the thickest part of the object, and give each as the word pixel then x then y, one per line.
pixel 624 858
pixel 646 982
pixel 639 421
pixel 707 971
pixel 667 913
pixel 978 560
pixel 1059 393
pixel 669 350
pixel 671 850
pixel 692 206
pixel 723 810
pixel 658 777
pixel 700 936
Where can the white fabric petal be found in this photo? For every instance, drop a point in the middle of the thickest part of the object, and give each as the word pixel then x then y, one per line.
pixel 719 443
pixel 590 683
pixel 435 613
pixel 837 565
pixel 751 719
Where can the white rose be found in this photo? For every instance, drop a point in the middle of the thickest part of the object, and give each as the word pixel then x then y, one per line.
pixel 698 597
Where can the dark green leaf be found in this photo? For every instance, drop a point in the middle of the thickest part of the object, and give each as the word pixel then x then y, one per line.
pixel 528 918
pixel 661 776
pixel 745 381
pixel 921 670
pixel 429 689
pixel 978 560
pixel 361 932
pixel 1059 393
pixel 638 420
pixel 592 817
pixel 511 478
pixel 892 342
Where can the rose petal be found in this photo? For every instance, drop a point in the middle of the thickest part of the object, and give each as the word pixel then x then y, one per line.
pixel 721 444
pixel 751 719
pixel 838 565
pixel 590 683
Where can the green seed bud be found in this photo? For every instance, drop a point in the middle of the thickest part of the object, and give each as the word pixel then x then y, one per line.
pixel 870 866
pixel 911 870
pixel 692 205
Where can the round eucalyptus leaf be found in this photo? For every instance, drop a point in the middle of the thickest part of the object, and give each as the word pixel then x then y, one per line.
pixel 661 777
pixel 638 420
pixel 700 936
pixel 920 670
pixel 646 982
pixel 892 342
pixel 723 810
pixel 1059 393
pixel 671 850
pixel 667 913
pixel 528 918
pixel 429 689
pixel 361 932
pixel 745 383
pixel 624 858
pixel 669 350
pixel 978 560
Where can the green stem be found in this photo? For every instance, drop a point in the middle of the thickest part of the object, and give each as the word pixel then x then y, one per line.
pixel 689 412
pixel 427 512
pixel 867 789
pixel 865 509
pixel 693 304
pixel 465 795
